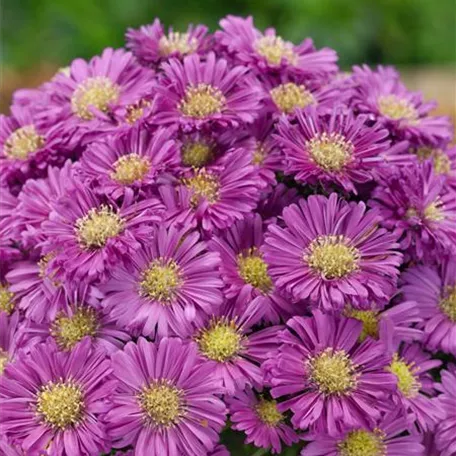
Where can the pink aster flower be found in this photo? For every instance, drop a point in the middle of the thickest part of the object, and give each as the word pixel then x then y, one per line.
pixel 57 399
pixel 172 282
pixel 260 420
pixel 340 149
pixel 383 96
pixel 333 380
pixel 11 338
pixel 434 291
pixel 268 51
pixel 332 252
pixel 166 402
pixel 197 94
pixel 151 45
pixel 417 205
pixel 136 158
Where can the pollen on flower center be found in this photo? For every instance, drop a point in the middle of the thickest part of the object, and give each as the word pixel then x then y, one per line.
pixel 201 101
pixel 362 443
pixel 274 49
pixel 332 371
pixel 130 168
pixel 289 96
pixel 136 111
pixel 161 280
pixel 203 185
pixel 177 42
pixel 196 154
pixel 448 303
pixel 60 404
pixel 69 330
pixel 433 212
pixel 6 300
pixel 259 154
pixel 98 92
pixel 330 152
pixel 3 360
pixel 253 270
pixel 332 256
pixel 162 403
pixel 221 341
pixel 369 319
pixel 407 380
pixel 441 161
pixel 268 413
pixel 396 108
pixel 23 142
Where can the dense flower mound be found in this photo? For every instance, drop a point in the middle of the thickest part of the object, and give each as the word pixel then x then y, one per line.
pixel 220 243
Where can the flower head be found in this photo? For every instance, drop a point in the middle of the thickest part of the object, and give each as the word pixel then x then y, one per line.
pixel 444 435
pixel 11 338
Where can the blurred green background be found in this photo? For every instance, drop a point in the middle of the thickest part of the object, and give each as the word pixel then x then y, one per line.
pixel 41 35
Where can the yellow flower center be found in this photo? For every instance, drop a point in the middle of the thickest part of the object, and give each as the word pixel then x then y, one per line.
pixel 268 413
pixel 3 360
pixel 259 155
pixel 60 404
pixel 253 270
pixel 221 341
pixel 363 443
pixel 177 42
pixel 161 280
pixel 23 142
pixel 136 111
pixel 289 96
pixel 448 303
pixel 274 49
pixel 332 256
pixel 162 403
pixel 99 225
pixel 7 303
pixel 130 168
pixel 69 330
pixel 407 380
pixel 330 152
pixel 196 154
pixel 97 92
pixel 442 163
pixel 396 108
pixel 333 372
pixel 369 319
pixel 203 186
pixel 201 101
pixel 433 212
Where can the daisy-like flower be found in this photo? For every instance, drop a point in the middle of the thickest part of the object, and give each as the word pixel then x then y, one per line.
pixel 151 45
pixel 445 434
pixel 8 299
pixel 340 149
pixel 166 402
pixel 11 338
pixel 417 205
pixel 332 252
pixel 434 291
pixel 87 235
pixel 57 400
pixel 172 282
pixel 389 436
pixel 381 94
pixel 415 388
pixel 270 52
pixel 244 271
pixel 198 94
pixel 135 158
pixel 333 380
pixel 259 418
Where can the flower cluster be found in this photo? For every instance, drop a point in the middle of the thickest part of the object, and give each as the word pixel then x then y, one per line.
pixel 205 235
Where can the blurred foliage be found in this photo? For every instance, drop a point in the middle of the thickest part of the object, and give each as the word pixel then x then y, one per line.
pixel 373 31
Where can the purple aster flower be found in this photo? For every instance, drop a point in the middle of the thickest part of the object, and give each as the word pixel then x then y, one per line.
pixel 172 282
pixel 270 52
pixel 415 388
pixel 88 235
pixel 390 437
pixel 244 271
pixel 332 252
pixel 136 159
pixel 333 380
pixel 151 45
pixel 434 290
pixel 166 402
pixel 50 398
pixel 197 94
pixel 445 434
pixel 339 149
pixel 381 94
pixel 417 205
pixel 259 418
pixel 11 338
pixel 220 450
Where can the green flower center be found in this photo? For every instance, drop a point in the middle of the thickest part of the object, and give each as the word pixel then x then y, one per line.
pixel 407 380
pixel 289 96
pixel 203 185
pixel 448 303
pixel 196 154
pixel 268 413
pixel 7 303
pixel 362 443
pixel 201 101
pixel 369 319
pixel 253 270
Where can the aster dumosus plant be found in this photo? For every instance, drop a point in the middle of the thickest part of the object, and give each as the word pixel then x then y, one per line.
pixel 218 244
